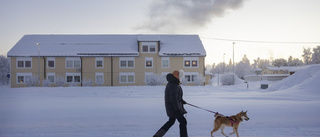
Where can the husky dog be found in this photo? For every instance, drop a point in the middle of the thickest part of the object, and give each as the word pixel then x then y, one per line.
pixel 232 121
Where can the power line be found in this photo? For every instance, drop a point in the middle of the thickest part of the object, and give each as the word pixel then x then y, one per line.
pixel 254 41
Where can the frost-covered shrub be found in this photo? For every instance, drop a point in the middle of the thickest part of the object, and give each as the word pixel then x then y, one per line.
pixel 46 83
pixel 99 82
pixel 73 84
pixel 155 80
pixel 60 81
pixel 227 79
pixel 87 83
pixel 199 80
pixel 31 81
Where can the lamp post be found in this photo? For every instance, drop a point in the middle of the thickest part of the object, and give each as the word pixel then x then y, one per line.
pixel 233 64
pixel 224 62
pixel 38 44
pixel 233 56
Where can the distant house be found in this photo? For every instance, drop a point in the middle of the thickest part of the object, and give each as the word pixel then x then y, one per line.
pixel 107 60
pixel 271 74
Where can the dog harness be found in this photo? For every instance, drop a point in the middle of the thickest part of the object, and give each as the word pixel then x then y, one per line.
pixel 232 121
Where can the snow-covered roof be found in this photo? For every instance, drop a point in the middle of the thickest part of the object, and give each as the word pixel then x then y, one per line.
pixel 289 68
pixel 105 45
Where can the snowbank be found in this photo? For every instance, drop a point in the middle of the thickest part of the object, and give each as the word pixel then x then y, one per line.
pixel 305 79
pixel 138 111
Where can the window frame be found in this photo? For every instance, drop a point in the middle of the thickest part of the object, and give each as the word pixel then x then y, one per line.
pixel 51 75
pixel 24 61
pixel 127 61
pixel 148 59
pixel 165 59
pixel 96 78
pixel 126 75
pixel 191 62
pixel 73 75
pixel 96 62
pixel 149 45
pixel 75 62
pixel 192 76
pixel 24 76
pixel 54 62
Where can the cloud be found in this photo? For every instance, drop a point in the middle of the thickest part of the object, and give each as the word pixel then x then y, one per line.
pixel 173 16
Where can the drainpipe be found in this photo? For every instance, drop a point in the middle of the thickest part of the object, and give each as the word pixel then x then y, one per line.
pixel 44 68
pixel 81 71
pixel 111 71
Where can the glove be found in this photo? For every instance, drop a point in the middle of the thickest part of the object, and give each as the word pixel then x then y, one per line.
pixel 184 102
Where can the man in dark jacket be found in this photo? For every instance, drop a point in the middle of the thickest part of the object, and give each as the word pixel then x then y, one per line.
pixel 174 105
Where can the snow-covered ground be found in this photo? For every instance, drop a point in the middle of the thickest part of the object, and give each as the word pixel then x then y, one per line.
pixel 290 107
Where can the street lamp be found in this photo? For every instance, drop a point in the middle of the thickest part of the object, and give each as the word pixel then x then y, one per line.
pixel 224 62
pixel 233 56
pixel 38 44
pixel 233 64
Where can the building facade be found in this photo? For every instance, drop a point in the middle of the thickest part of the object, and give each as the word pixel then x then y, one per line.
pixel 104 60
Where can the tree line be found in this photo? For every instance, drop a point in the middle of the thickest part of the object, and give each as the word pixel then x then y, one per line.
pixel 244 67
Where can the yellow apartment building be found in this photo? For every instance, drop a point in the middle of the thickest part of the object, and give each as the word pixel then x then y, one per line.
pixel 105 60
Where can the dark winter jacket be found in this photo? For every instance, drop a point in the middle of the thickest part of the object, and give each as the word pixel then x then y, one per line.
pixel 173 97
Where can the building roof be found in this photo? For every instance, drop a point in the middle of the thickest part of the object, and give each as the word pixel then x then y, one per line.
pixel 105 45
pixel 284 68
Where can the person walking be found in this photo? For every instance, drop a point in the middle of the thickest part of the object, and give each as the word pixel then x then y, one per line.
pixel 174 105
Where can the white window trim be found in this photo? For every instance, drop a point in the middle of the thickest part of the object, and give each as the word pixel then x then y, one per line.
pixel 191 74
pixel 73 59
pixel 54 62
pixel 149 44
pixel 163 59
pixel 148 59
pixel 99 59
pixel 54 77
pixel 73 75
pixel 147 74
pixel 24 77
pixel 164 75
pixel 24 59
pixel 127 59
pixel 191 59
pixel 127 74
pixel 99 74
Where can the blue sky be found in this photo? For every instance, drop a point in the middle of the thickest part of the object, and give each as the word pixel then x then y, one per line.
pixel 249 20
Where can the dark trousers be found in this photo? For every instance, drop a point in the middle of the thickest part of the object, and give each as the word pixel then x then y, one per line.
pixel 182 126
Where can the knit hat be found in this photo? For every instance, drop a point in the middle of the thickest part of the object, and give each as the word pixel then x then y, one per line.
pixel 181 74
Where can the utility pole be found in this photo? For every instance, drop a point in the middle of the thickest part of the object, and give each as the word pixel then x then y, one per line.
pixel 233 56
pixel 233 64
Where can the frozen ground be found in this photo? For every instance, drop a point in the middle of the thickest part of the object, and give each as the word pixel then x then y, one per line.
pixel 290 107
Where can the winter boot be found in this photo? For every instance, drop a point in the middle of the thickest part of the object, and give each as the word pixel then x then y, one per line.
pixel 160 133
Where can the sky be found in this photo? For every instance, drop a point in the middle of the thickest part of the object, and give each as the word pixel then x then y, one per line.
pixel 265 29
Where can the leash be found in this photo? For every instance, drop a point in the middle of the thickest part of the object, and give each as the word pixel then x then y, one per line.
pixel 203 109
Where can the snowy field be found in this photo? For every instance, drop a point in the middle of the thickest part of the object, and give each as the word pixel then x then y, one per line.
pixel 290 107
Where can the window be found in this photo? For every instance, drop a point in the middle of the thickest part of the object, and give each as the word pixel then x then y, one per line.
pixel 73 77
pixel 165 62
pixel 51 62
pixel 126 62
pixel 99 62
pixel 148 47
pixel 191 77
pixel 127 77
pixel 51 77
pixel 99 78
pixel 22 77
pixel 191 62
pixel 145 48
pixel 24 62
pixel 149 62
pixel 73 62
